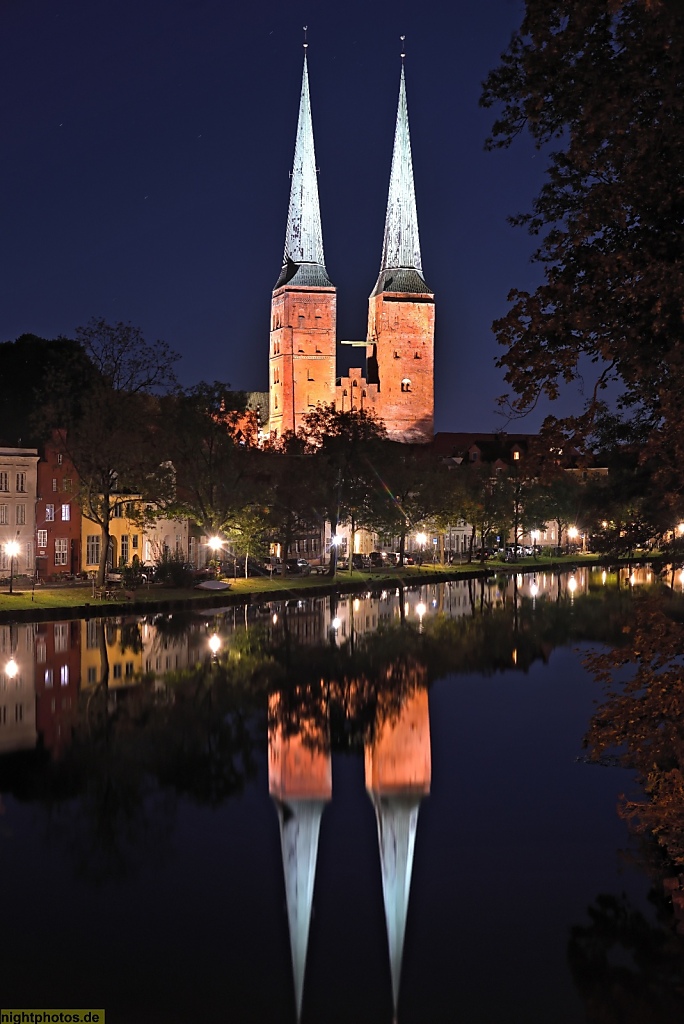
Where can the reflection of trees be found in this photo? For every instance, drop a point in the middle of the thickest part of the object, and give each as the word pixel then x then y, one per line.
pixel 627 970
pixel 643 719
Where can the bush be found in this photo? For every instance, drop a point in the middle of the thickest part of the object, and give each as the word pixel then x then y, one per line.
pixel 173 570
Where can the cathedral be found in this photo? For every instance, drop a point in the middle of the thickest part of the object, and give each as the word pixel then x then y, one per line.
pixel 397 384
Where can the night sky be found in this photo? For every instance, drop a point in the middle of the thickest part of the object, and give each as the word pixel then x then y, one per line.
pixel 146 150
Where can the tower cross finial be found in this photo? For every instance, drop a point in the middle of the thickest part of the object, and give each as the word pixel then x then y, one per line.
pixel 403 48
pixel 305 27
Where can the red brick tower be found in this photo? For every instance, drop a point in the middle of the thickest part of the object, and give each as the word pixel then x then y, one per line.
pixel 401 308
pixel 303 309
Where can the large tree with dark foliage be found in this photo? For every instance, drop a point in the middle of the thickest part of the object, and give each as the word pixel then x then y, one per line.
pixel 110 429
pixel 599 86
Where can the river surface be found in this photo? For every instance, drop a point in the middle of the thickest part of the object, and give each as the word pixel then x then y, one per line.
pixel 345 809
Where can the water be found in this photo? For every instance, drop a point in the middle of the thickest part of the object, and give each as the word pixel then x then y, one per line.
pixel 356 807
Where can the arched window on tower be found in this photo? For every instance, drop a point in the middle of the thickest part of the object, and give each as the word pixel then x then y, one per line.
pixel 406 384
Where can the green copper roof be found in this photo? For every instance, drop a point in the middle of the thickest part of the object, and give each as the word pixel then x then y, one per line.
pixel 401 266
pixel 303 261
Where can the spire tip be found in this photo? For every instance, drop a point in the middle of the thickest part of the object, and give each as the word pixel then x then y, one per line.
pixel 305 27
pixel 403 48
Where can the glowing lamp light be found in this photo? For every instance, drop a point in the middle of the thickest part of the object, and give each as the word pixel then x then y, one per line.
pixel 215 543
pixel 604 577
pixel 421 538
pixel 573 533
pixel 214 643
pixel 11 669
pixel 357 604
pixel 12 550
pixel 335 541
pixel 680 529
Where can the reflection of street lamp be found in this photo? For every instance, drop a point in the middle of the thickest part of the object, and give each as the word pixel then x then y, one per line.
pixel 11 550
pixel 11 669
pixel 420 612
pixel 535 540
pixel 214 643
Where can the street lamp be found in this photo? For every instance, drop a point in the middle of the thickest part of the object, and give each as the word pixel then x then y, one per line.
pixel 11 550
pixel 421 540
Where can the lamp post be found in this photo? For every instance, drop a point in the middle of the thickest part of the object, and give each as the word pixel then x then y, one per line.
pixel 421 539
pixel 11 550
pixel 215 543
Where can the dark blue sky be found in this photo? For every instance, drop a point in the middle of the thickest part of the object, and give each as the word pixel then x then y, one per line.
pixel 146 149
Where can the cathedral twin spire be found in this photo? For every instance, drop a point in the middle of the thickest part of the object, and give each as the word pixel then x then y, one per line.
pixel 304 262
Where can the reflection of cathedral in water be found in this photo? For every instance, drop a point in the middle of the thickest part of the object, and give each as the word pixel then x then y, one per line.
pixel 397 773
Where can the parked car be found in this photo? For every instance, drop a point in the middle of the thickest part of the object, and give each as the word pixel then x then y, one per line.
pixel 273 565
pixel 376 559
pixel 298 567
pixel 360 562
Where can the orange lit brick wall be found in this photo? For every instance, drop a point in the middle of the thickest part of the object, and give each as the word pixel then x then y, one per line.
pixel 401 330
pixel 302 354
pixel 297 770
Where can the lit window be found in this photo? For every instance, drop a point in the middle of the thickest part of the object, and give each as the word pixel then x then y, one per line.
pixel 42 538
pixel 49 513
pixel 64 675
pixel 66 513
pixel 48 677
pixel 516 456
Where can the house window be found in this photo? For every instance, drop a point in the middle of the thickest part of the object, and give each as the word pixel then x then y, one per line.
pixel 48 677
pixel 59 458
pixel 516 456
pixel 64 675
pixel 66 485
pixel 92 674
pixel 4 482
pixel 49 513
pixel 61 547
pixel 117 511
pixel 54 483
pixel 4 557
pixel 21 483
pixel 3 515
pixel 21 515
pixel 135 541
pixel 117 671
pixel 93 549
pixel 130 508
pixel 41 652
pixel 124 549
pixel 42 538
pixel 129 668
pixel 66 513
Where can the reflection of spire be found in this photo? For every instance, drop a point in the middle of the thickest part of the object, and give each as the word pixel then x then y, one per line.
pixel 300 782
pixel 398 774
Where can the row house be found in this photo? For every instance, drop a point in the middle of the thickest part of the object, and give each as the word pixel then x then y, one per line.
pixel 58 515
pixel 17 507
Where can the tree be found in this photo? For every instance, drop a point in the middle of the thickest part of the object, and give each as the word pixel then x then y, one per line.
pixel 345 447
pixel 599 87
pixel 211 440
pixel 111 431
pixel 406 493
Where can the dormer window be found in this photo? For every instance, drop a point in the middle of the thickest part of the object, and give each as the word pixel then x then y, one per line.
pixel 516 455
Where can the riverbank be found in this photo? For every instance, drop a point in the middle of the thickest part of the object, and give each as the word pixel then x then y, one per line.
pixel 80 600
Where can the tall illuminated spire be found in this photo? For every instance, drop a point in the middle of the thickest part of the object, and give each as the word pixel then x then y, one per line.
pixel 303 261
pixel 401 267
